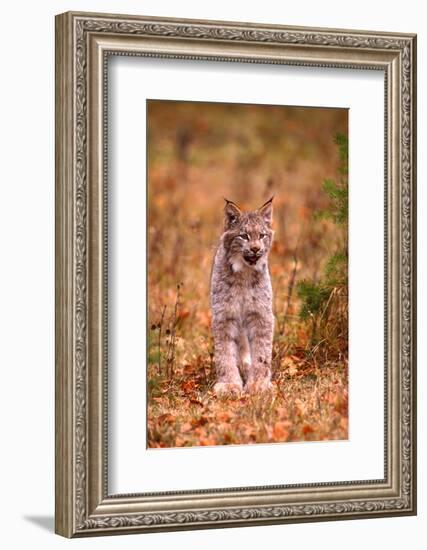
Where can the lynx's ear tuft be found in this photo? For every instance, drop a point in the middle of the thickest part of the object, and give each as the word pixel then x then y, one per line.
pixel 232 214
pixel 266 211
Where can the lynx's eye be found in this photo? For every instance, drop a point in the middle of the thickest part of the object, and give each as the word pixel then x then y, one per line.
pixel 263 236
pixel 244 236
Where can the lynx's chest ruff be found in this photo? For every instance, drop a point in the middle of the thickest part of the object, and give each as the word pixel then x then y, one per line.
pixel 245 295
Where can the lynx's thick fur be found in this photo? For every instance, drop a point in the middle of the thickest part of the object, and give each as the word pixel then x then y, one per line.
pixel 241 301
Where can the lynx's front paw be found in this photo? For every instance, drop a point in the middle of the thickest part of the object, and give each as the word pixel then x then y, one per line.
pixel 258 385
pixel 228 389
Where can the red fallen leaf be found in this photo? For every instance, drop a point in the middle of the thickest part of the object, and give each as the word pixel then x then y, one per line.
pixel 188 385
pixel 199 421
pixel 306 429
pixel 167 417
pixel 280 431
pixel 228 439
pixel 204 441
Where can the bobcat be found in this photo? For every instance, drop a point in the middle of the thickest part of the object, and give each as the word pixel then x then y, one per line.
pixel 241 301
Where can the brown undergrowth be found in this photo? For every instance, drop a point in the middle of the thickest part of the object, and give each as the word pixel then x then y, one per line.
pixel 199 153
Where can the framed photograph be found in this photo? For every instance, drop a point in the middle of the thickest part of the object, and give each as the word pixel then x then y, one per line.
pixel 235 274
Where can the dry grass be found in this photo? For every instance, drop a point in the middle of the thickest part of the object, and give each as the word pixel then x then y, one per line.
pixel 199 153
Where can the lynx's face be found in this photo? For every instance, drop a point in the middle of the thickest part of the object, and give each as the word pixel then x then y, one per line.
pixel 248 235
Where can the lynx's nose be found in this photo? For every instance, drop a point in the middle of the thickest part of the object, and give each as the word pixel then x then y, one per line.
pixel 255 248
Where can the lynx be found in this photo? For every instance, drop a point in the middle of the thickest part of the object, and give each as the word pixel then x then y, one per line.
pixel 241 301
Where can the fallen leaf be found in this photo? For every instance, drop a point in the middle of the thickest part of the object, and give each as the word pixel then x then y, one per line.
pixel 228 438
pixel 204 441
pixel 186 427
pixel 199 421
pixel 280 431
pixel 307 429
pixel 166 418
pixel 224 416
pixel 188 385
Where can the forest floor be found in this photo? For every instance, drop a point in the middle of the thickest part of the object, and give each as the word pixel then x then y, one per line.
pixel 306 404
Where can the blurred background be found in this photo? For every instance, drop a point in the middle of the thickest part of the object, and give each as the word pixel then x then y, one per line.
pixel 199 153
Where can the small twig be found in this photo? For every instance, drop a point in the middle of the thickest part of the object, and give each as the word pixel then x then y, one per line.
pixel 280 352
pixel 160 339
pixel 290 291
pixel 331 295
pixel 172 342
pixel 290 288
pixel 205 374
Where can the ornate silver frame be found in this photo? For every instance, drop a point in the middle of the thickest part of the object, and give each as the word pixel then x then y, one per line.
pixel 83 42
